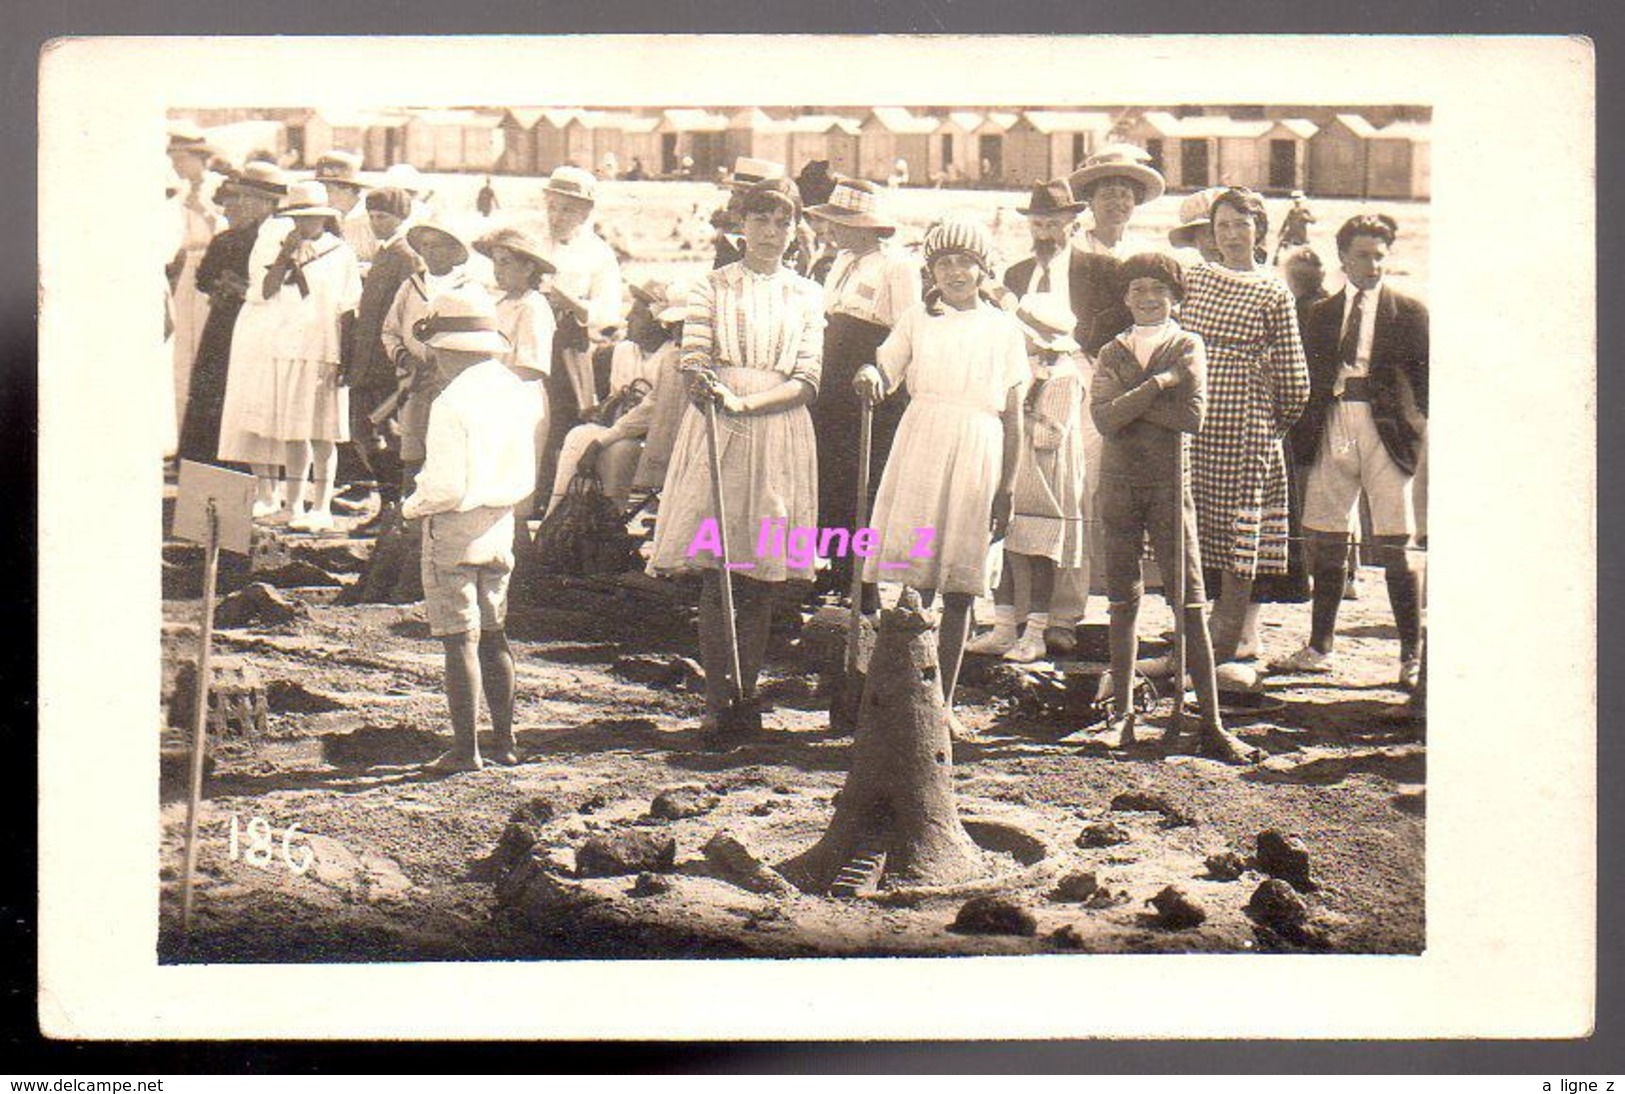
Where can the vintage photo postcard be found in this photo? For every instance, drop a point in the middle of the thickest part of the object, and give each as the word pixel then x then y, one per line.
pixel 850 537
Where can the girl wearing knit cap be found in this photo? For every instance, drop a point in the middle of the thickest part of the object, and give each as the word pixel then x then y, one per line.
pixel 946 490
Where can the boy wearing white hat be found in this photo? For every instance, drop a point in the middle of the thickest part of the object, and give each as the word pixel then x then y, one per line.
pixel 480 463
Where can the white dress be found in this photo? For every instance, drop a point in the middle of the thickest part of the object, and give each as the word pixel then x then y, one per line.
pixel 191 305
pixel 936 495
pixel 249 378
pixel 305 401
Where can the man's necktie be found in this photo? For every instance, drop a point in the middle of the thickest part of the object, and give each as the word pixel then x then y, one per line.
pixel 1349 348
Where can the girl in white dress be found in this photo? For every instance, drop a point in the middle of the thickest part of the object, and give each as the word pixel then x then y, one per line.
pixel 1047 530
pixel 952 469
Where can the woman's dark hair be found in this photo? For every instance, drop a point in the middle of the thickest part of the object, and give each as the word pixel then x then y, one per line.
pixel 1248 204
pixel 1151 264
pixel 1377 225
pixel 768 197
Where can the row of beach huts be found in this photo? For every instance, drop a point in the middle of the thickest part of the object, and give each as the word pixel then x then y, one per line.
pixel 1327 151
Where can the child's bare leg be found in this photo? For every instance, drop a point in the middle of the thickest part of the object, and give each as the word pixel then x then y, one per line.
pixel 754 605
pixel 497 678
pixel 1125 649
pixel 951 640
pixel 462 695
pixel 1216 742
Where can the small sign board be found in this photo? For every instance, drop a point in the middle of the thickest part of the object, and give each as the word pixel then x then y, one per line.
pixel 233 495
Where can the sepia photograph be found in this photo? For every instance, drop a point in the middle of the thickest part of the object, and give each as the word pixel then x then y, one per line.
pixel 827 772
pixel 956 519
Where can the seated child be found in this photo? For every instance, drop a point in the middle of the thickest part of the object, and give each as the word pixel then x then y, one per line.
pixel 613 447
pixel 1150 389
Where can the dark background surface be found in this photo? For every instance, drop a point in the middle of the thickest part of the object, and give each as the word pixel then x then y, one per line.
pixel 32 22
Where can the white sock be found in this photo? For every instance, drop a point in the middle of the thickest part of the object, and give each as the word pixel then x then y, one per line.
pixel 1004 618
pixel 1037 623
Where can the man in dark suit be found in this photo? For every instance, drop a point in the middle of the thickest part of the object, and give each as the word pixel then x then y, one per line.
pixel 1363 429
pixel 1089 281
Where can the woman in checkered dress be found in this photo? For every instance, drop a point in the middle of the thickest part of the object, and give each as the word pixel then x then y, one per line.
pixel 1258 383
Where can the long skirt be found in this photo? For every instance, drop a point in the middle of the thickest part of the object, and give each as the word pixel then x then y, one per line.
pixel 191 310
pixel 250 382
pixel 769 477
pixel 306 402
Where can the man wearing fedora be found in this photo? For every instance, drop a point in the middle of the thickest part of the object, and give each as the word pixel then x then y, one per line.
pixel 481 462
pixel 340 172
pixel 1364 429
pixel 868 288
pixel 1088 280
pixel 1113 182
pixel 585 294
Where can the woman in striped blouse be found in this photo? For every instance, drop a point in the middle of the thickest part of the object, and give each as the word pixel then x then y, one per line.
pixel 753 344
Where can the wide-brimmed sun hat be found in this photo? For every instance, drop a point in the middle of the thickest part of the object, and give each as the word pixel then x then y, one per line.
pixel 1195 214
pixel 418 236
pixel 184 137
pixel 857 203
pixel 1048 320
pixel 748 171
pixel 339 167
pixel 462 319
pixel 1052 198
pixel 257 179
pixel 518 241
pixel 307 198
pixel 403 176
pixel 1119 161
pixel 573 182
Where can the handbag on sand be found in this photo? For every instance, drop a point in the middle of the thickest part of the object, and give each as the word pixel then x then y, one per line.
pixel 585 533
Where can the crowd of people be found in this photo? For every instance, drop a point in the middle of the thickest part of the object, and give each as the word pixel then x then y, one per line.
pixel 1046 423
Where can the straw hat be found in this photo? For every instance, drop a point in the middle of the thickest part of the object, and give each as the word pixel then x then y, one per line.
pixel 1051 198
pixel 1120 161
pixel 403 176
pixel 259 179
pixel 462 319
pixel 417 237
pixel 573 182
pixel 1048 321
pixel 185 137
pixel 857 203
pixel 748 171
pixel 341 167
pixel 518 241
pixel 1195 214
pixel 676 309
pixel 307 198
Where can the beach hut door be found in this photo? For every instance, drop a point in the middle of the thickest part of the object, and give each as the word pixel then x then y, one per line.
pixel 1283 165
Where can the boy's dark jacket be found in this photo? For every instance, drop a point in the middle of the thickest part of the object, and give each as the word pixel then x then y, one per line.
pixel 1399 374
